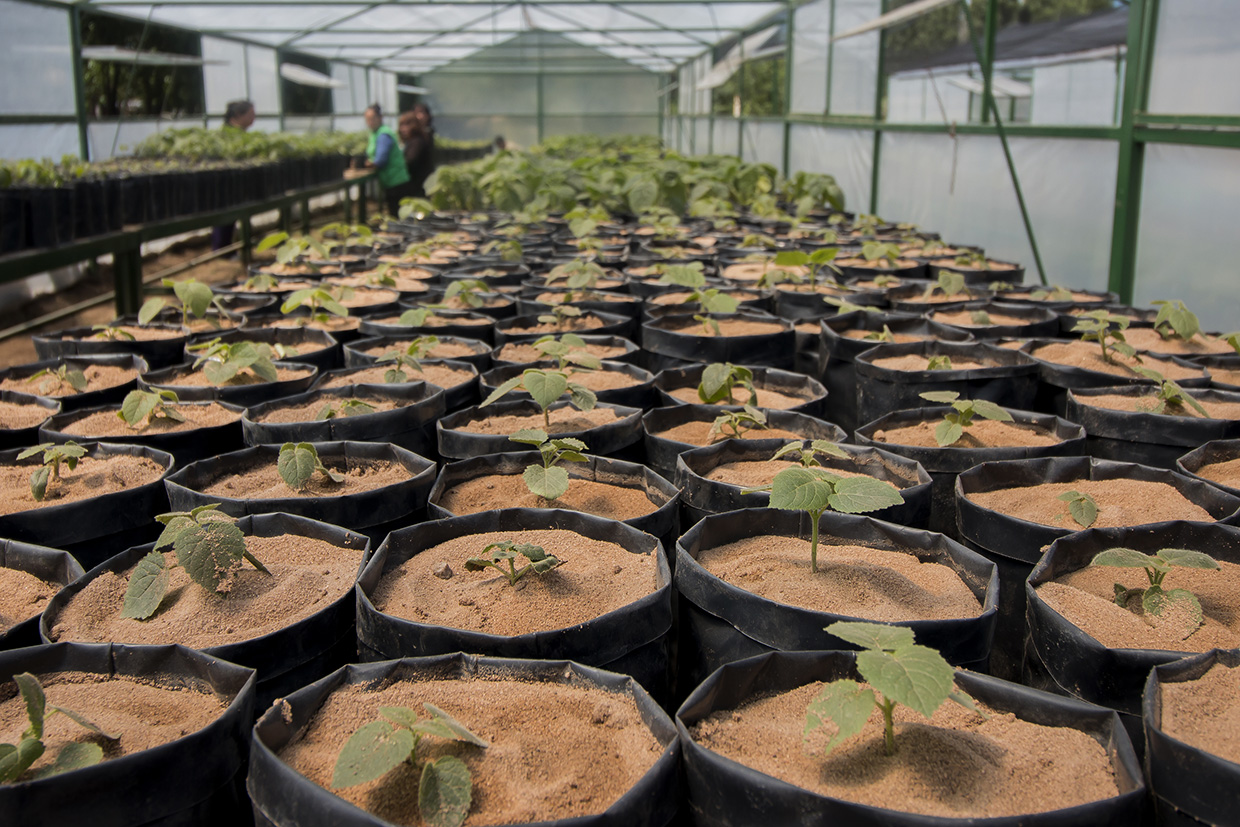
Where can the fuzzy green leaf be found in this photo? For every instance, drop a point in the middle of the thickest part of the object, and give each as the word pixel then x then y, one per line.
pixel 844 703
pixel 83 721
pixel 582 397
pixel 72 756
pixel 948 432
pixel 798 489
pixel 989 410
pixel 548 483
pixel 371 752
pixel 194 295
pixel 529 436
pixel 714 385
pixel 147 586
pixel 511 384
pixel 858 495
pixel 1081 507
pixel 36 703
pixel 38 482
pixel 872 635
pixel 460 732
pixel 915 676
pixel 1124 558
pixel 15 760
pixel 77 380
pixel 1187 559
pixel 445 792
pixel 545 386
pixel 296 463
pixel 150 309
pixel 138 405
pixel 211 553
pixel 945 397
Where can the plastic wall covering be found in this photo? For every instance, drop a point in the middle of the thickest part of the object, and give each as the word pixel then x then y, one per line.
pixel 523 131
pixel 848 154
pixel 491 94
pixel 36 62
pixel 636 93
pixel 600 125
pixel 726 139
pixel 1196 61
pixel 854 61
pixel 264 80
pixel 110 138
pixel 912 98
pixel 343 99
pixel 1075 93
pixel 38 140
pixel 700 134
pixel 1069 187
pixel 764 141
pixel 1189 194
pixel 223 75
pixel 810 33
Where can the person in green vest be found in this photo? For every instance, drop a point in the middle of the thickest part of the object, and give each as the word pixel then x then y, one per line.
pixel 383 154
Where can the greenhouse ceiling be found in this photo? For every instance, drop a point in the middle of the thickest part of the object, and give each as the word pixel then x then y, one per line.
pixel 415 37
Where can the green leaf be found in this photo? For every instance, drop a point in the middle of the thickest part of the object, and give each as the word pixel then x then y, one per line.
pixel 545 386
pixel 77 380
pixel 295 464
pixel 872 635
pixel 858 495
pixel 844 703
pixel 211 553
pixel 1081 506
pixel 948 432
pixel 511 384
pixel 797 489
pixel 1124 558
pixel 548 483
pixel 529 436
pixel 989 410
pixel 1187 559
pixel 15 760
pixel 944 397
pixel 218 373
pixel 272 240
pixel 36 703
pixel 173 527
pixel 150 309
pixel 72 756
pixel 582 397
pixel 147 586
pixel 460 732
pixel 83 721
pixel 715 380
pixel 916 676
pixel 138 405
pixel 824 446
pixel 194 295
pixel 371 752
pixel 445 792
pixel 38 482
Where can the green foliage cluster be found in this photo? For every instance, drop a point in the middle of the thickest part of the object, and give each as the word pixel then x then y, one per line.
pixel 1154 599
pixel 15 759
pixel 507 553
pixel 49 472
pixel 549 480
pixel 956 422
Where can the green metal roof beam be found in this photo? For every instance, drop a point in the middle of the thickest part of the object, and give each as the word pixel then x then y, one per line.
pixel 466 25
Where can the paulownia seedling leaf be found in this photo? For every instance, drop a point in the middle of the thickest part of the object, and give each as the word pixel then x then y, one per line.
pixel 16 759
pixel 147 586
pixel 349 407
pixel 371 752
pixel 53 379
pixel 955 422
pixel 735 424
pixel 1082 507
pixel 297 462
pixel 545 387
pixel 1175 320
pixel 1155 600
pixel 720 381
pixel 53 455
pixel 495 555
pixel 141 408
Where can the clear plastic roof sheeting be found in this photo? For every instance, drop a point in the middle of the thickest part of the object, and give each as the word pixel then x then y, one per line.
pixel 402 36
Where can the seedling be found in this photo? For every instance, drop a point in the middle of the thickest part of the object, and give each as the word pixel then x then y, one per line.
pixel 141 408
pixel 884 335
pixel 418 316
pixel 948 283
pixel 566 350
pixel 690 276
pixel 261 283
pixel 549 480
pixel 297 463
pixel 56 378
pixel 349 407
pixel 897 670
pixel 813 489
pixel 410 359
pixel 980 317
pixel 844 306
pixel 15 759
pixel 289 248
pixel 583 221
pixel 866 224
pixel 735 424
pixel 496 555
pixel 1107 329
pixel 720 381
pixel 759 240
pixel 209 546
pixel 53 455
pixel 1155 600
pixel 195 299
pixel 416 208
pixel 546 386
pixel 880 253
pixel 954 423
pixel 577 274
pixel 1233 339
pixel 1175 321
pixel 445 786
pixel 885 281
pixel 221 363
pixel 467 290
pixel 973 259
pixel 508 250
pixel 939 363
pixel 1081 507
pixel 815 262
pixel 321 303
pixel 1054 293
pixel 113 334
pixel 560 315
pixel 1170 398
pixel 1001 286
pixel 380 276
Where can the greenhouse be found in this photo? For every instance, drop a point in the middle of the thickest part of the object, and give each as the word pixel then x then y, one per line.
pixel 642 412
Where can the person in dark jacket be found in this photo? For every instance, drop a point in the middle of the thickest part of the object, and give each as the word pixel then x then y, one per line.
pixel 418 134
pixel 383 152
pixel 237 115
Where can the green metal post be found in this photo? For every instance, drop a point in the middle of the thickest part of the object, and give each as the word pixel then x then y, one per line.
pixel 880 91
pixel 988 58
pixel 826 108
pixel 79 81
pixel 1142 21
pixel 541 118
pixel 788 87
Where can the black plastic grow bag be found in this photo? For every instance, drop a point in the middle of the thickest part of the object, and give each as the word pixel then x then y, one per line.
pixel 307 345
pixel 22 437
pixel 80 341
pixel 287 658
pixel 1217 451
pixel 361 512
pixel 680 337
pixel 241 395
pixel 480 327
pixel 661 452
pixel 356 355
pixel 702 497
pixel 1035 321
pixel 723 793
pixel 196 779
pixel 1143 436
pixel 721 623
pixel 632 639
pixel 51 565
pixel 410 426
pixel 1190 786
pixel 1008 377
pixel 943 464
pixel 92 530
pixel 87 399
pixel 640 394
pixel 456 397
pixel 632 353
pixel 1016 545
pixel 783 381
pixel 603 440
pixel 186 446
pixel 797 305
pixel 283 797
pixel 517 328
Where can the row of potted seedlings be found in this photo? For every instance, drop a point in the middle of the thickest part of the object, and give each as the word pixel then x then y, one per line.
pixel 604 590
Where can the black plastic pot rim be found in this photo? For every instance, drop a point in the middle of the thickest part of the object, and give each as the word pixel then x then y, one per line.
pixel 52 429
pixel 1057 426
pixel 1021 364
pixel 413 393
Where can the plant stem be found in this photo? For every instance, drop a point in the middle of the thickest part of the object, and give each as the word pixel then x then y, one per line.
pixel 546 420
pixel 813 541
pixel 889 733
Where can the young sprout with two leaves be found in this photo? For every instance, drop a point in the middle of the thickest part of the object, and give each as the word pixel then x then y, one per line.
pixel 470 292
pixel 948 283
pixel 195 299
pixel 881 254
pixel 290 248
pixel 1082 508
pixel 55 379
pixel 973 259
pixel 545 387
pixel 1155 600
pixel 569 349
pixel 320 303
pixel 1176 321
pixel 1169 398
pixel 549 480
pixel 577 274
pixel 955 422
pixel 559 315
pixel 942 362
pixel 898 671
pixel 844 306
pixel 15 759
pixel 110 333
pixel 140 409
pixel 1107 329
pixel 297 464
pixel 346 408
pixel 508 250
pixel 735 424
pixel 884 335
pixel 720 381
pixel 813 489
pixel 445 786
pixel 409 359
pixel 503 557
pixel 814 262
pixel 208 545
pixel 691 277
pixel 53 455
pixel 1053 293
pixel 221 363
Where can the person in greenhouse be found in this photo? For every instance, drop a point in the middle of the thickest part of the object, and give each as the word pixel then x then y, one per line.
pixel 237 115
pixel 418 136
pixel 384 155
